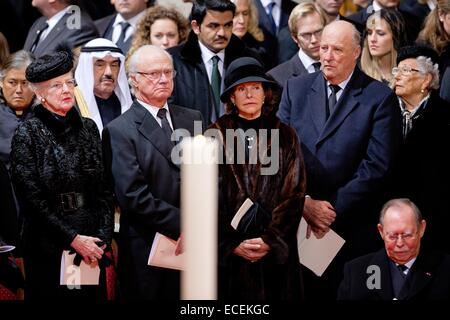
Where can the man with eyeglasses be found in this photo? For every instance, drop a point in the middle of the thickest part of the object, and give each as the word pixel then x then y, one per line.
pixel 403 270
pixel 138 148
pixel 103 92
pixel 306 23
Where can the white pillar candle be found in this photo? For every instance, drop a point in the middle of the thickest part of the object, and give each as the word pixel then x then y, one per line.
pixel 199 189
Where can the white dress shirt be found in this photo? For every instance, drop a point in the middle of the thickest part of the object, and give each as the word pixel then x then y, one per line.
pixel 154 111
pixel 117 29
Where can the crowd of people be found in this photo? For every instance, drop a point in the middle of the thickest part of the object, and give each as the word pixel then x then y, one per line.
pixel 350 102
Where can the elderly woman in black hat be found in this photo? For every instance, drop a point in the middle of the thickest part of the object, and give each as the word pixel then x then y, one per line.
pixel 424 169
pixel 258 259
pixel 57 171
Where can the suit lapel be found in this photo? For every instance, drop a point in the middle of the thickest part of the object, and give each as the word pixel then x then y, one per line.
pixel 381 259
pixel 347 102
pixel 317 100
pixel 297 66
pixel 422 273
pixel 150 129
pixel 55 33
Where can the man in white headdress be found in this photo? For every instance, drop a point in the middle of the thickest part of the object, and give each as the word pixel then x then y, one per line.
pixel 102 81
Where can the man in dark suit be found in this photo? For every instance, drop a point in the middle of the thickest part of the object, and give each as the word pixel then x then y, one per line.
pixel 201 61
pixel 402 270
pixel 306 23
pixel 349 126
pixel 120 26
pixel 147 182
pixel 273 16
pixel 60 22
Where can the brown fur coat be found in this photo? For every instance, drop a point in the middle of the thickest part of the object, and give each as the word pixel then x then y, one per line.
pixel 277 275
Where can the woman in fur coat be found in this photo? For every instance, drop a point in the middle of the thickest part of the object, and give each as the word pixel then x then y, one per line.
pixel 258 260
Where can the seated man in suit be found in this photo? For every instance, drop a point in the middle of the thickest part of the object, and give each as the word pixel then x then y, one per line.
pixel 60 22
pixel 120 26
pixel 138 149
pixel 306 23
pixel 102 81
pixel 402 270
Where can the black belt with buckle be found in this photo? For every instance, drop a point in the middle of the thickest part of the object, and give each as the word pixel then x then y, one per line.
pixel 71 201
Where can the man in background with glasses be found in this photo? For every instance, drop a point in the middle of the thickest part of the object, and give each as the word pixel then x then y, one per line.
pixel 138 149
pixel 306 23
pixel 403 270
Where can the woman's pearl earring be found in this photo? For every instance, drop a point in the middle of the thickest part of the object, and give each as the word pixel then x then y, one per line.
pixel 42 100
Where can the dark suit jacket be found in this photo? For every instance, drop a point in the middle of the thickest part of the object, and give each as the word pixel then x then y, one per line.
pixel 289 69
pixel 270 39
pixel 428 279
pixel 61 33
pixel 147 187
pixel 350 158
pixel 192 88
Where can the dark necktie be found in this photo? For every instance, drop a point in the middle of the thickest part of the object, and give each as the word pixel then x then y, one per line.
pixel 402 268
pixel 316 66
pixel 121 42
pixel 332 98
pixel 215 83
pixel 273 25
pixel 164 122
pixel 38 37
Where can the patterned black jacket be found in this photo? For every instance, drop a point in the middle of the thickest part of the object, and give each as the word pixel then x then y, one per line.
pixel 57 171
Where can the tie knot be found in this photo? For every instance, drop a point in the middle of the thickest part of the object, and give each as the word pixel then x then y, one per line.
pixel 215 60
pixel 270 6
pixel 316 66
pixel 44 27
pixel 162 113
pixel 124 25
pixel 402 268
pixel 334 88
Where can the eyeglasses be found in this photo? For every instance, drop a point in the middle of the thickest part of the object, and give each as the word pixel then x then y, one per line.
pixel 70 84
pixel 405 70
pixel 307 35
pixel 393 237
pixel 156 75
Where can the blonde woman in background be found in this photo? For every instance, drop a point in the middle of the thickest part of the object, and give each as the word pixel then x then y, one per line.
pixel 385 34
pixel 245 26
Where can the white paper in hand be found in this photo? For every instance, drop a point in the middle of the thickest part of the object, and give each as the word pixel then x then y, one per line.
pixel 163 255
pixel 240 213
pixel 71 275
pixel 317 254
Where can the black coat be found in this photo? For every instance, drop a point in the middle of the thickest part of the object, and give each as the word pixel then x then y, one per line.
pixel 147 187
pixel 277 275
pixel 9 229
pixel 424 173
pixel 428 279
pixel 49 158
pixel 192 88
pixel 289 69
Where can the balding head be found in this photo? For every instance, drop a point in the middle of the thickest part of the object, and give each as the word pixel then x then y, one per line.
pixel 339 50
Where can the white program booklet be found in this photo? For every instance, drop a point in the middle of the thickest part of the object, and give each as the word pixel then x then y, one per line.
pixel 163 255
pixel 240 213
pixel 317 254
pixel 72 275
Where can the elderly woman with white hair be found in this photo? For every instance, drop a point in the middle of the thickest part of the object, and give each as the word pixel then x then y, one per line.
pixel 424 172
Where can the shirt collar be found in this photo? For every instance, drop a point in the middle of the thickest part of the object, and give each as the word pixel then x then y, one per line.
pixel 132 21
pixel 344 83
pixel 265 3
pixel 208 54
pixel 305 59
pixel 55 19
pixel 409 263
pixel 417 109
